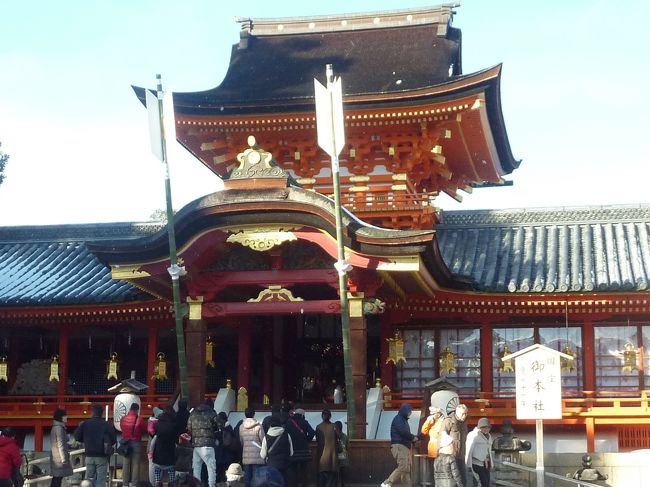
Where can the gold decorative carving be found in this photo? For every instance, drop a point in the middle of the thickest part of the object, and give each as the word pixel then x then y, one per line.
pixel 275 293
pixel 256 163
pixel 127 272
pixel 262 238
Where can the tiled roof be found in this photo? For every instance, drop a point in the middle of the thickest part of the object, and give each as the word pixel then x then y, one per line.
pixel 44 266
pixel 549 250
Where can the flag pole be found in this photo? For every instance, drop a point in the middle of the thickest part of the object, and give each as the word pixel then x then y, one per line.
pixel 342 265
pixel 175 271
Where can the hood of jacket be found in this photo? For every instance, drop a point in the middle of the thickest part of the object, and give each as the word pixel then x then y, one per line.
pixel 5 440
pixel 405 410
pixel 275 431
pixel 249 423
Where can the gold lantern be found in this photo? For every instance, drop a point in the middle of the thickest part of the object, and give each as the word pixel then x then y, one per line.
pixel 209 349
pixel 506 365
pixel 630 363
pixel 395 349
pixel 4 369
pixel 447 361
pixel 568 365
pixel 160 367
pixel 111 369
pixel 54 369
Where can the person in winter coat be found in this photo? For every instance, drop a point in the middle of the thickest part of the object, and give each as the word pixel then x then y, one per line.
pixel 10 457
pixel 456 427
pixel 234 476
pixel 401 440
pixel 133 426
pixel 225 442
pixel 301 434
pixel 445 467
pixel 96 434
pixel 164 446
pixel 251 436
pixel 431 427
pixel 202 425
pixel 277 447
pixel 479 451
pixel 60 465
pixel 328 463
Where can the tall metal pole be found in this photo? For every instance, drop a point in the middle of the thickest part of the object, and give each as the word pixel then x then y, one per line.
pixel 175 271
pixel 345 314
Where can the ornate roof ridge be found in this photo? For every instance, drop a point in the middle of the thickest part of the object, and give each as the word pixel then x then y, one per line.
pixel 562 215
pixel 78 232
pixel 436 14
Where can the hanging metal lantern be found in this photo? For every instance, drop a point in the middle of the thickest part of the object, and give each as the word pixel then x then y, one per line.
pixel 111 369
pixel 209 351
pixel 567 365
pixel 447 361
pixel 506 365
pixel 395 349
pixel 630 362
pixel 160 367
pixel 4 369
pixel 54 369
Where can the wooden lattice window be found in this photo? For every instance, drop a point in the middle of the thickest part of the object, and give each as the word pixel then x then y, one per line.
pixel 633 437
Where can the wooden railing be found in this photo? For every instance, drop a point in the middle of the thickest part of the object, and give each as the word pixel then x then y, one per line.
pixel 576 407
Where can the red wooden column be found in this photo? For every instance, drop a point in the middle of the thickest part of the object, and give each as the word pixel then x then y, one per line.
pixel 387 370
pixel 195 336
pixel 359 344
pixel 152 351
pixel 64 338
pixel 588 357
pixel 486 355
pixel 244 354
pixel 38 437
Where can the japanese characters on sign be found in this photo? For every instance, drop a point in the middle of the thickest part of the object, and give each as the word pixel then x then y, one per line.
pixel 538 385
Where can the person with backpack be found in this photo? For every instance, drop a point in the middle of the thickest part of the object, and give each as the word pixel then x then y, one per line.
pixel 226 445
pixel 277 448
pixel 98 437
pixel 301 434
pixel 133 426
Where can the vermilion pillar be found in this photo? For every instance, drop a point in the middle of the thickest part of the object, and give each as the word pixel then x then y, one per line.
pixel 195 336
pixel 359 345
pixel 244 354
pixel 588 357
pixel 63 366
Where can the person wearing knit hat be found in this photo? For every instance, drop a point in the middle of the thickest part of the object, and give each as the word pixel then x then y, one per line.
pixel 234 475
pixel 478 458
pixel 445 467
pixel 60 465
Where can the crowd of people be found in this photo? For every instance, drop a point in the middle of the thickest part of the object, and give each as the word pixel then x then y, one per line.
pixel 200 447
pixel 461 459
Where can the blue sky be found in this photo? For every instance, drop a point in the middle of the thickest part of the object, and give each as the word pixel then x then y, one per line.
pixel 574 87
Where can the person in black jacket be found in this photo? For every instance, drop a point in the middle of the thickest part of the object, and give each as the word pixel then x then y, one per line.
pixel 164 447
pixel 301 434
pixel 98 437
pixel 401 440
pixel 277 447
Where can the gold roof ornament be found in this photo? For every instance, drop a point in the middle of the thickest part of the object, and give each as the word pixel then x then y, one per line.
pixel 447 361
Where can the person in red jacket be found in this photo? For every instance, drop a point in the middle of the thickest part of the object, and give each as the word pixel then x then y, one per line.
pixel 10 457
pixel 133 426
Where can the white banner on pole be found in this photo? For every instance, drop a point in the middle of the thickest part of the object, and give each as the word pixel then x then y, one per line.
pixel 169 124
pixel 329 117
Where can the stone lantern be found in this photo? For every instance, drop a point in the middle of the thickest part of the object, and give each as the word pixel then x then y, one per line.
pixel 508 448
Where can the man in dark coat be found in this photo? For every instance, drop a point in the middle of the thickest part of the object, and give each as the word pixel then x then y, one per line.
pixel 401 440
pixel 301 434
pixel 202 424
pixel 97 435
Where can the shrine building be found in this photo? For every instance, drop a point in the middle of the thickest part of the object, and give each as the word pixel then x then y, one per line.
pixel 432 293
